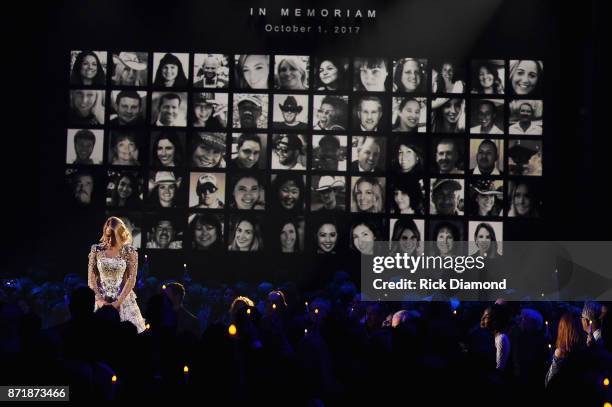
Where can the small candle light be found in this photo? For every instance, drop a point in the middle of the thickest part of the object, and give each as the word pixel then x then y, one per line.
pixel 248 311
pixel 148 326
pixel 606 382
pixel 273 306
pixel 114 379
pixel 232 330
pixel 549 346
pixel 305 331
pixel 454 312
pixel 546 322
pixel 186 369
pixel 163 286
pixel 316 310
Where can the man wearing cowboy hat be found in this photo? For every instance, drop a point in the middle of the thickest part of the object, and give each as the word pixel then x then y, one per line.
pixel 287 151
pixel 209 150
pixel 131 69
pixel 207 192
pixel 209 70
pixel 444 196
pixel 129 109
pixel 210 111
pixel 249 111
pixel 326 190
pixel 486 118
pixel 486 159
pixel 290 110
pixel 485 195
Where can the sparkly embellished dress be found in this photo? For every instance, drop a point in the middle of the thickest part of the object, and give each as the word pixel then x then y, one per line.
pixel 113 279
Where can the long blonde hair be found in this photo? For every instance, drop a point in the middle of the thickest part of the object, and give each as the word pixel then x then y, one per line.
pixel 114 224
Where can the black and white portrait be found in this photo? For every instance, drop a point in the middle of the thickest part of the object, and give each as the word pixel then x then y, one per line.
pixel 88 68
pixel 128 108
pixel 330 112
pixel 447 197
pixel 526 78
pixel 447 155
pixel 488 77
pixel 209 111
pixel 407 195
pixel 211 71
pixel 290 112
pixel 328 234
pixel 208 150
pixel 252 71
pixel 524 198
pixel 409 114
pixel 448 115
pixel 525 157
pixel 331 74
pixel 83 186
pixel 164 232
pixel 368 114
pixel 486 157
pixel 245 233
pixel 371 74
pixel 329 152
pixel 485 239
pixel 406 235
pixel 207 190
pixel 487 116
pixel 368 194
pixel 410 75
pixel 250 111
pixel 408 155
pixel 205 231
pixel 124 189
pixel 328 193
pixel 169 109
pixel 130 69
pixel 87 108
pixel 287 192
pixel 364 232
pixel 85 146
pixel 248 151
pixel 288 234
pixel 289 152
pixel 125 147
pixel 167 148
pixel 165 190
pixel 247 191
pixel 291 72
pixel 448 76
pixel 447 237
pixel 368 154
pixel 485 198
pixel 526 117
pixel 170 70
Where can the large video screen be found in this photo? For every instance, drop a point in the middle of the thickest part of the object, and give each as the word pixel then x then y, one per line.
pixel 304 154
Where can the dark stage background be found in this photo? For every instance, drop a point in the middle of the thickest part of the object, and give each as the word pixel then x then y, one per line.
pixel 53 239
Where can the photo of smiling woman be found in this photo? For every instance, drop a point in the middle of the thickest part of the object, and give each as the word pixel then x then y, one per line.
pixel 407 155
pixel 446 237
pixel 524 198
pixel 167 149
pixel 164 190
pixel 87 68
pixel 326 235
pixel 409 115
pixel 291 72
pixel 331 73
pixel 289 235
pixel 526 77
pixel 410 75
pixel 124 148
pixel 170 72
pixel 408 196
pixel 448 115
pixel 124 189
pixel 406 236
pixel 370 74
pixel 86 108
pixel 288 191
pixel 448 76
pixel 247 192
pixel 364 232
pixel 206 231
pixel 245 234
pixel 252 71
pixel 488 77
pixel 368 194
pixel 484 235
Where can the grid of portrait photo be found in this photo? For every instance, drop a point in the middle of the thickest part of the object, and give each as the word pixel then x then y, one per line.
pixel 304 153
